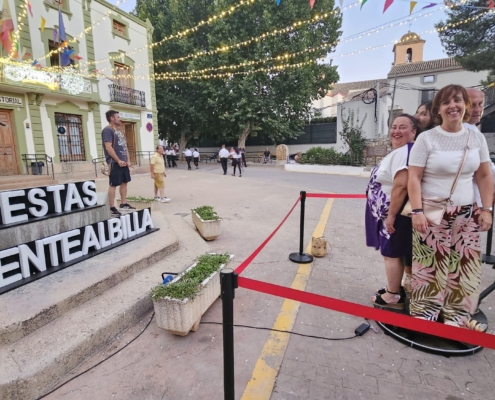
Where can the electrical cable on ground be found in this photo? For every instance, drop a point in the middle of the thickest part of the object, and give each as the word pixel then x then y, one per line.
pixel 281 331
pixel 101 362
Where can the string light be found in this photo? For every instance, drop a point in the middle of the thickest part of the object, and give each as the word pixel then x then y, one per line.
pixel 17 33
pixel 80 35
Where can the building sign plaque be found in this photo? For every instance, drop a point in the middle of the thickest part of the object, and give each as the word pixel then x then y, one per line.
pixel 129 115
pixel 17 101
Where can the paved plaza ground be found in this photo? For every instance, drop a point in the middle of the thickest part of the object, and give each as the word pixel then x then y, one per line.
pixel 276 365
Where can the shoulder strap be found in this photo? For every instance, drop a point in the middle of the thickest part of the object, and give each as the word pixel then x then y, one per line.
pixel 464 157
pixel 409 147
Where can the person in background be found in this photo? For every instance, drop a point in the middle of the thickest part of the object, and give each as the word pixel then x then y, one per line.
pixel 117 157
pixel 224 155
pixel 157 169
pixel 173 154
pixel 447 257
pixel 243 156
pixel 196 158
pixel 266 156
pixel 168 155
pixel 188 155
pixel 424 117
pixel 236 160
pixel 386 229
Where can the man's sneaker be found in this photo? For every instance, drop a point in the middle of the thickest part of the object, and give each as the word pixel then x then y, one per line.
pixel 157 198
pixel 115 212
pixel 126 207
pixel 165 200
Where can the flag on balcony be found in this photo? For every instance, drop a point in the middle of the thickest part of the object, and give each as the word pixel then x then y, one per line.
pixel 61 27
pixel 7 27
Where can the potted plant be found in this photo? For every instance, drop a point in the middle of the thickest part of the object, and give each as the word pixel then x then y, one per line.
pixel 180 304
pixel 207 222
pixel 140 203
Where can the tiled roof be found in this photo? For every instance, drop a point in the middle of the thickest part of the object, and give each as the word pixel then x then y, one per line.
pixel 424 67
pixel 351 89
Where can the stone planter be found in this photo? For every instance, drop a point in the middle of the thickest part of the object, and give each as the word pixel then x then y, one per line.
pixel 209 230
pixel 179 317
pixel 140 205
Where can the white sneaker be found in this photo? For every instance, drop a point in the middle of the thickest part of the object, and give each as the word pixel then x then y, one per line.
pixel 165 200
pixel 157 198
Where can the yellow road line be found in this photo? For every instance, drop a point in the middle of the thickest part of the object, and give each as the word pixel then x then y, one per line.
pixel 262 381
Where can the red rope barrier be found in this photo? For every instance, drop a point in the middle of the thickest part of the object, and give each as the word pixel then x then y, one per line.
pixel 387 317
pixel 336 195
pixel 248 260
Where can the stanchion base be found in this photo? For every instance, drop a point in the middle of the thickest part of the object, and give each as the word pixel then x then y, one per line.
pixel 488 259
pixel 433 344
pixel 303 258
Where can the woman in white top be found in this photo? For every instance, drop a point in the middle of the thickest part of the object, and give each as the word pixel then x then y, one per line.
pixel 196 158
pixel 446 257
pixel 236 162
pixel 386 229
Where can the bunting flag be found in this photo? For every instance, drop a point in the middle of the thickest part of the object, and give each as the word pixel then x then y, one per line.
pixel 362 4
pixel 412 4
pixel 61 27
pixel 311 3
pixel 43 23
pixel 278 2
pixel 7 27
pixel 30 8
pixel 55 33
pixel 388 3
pixel 430 5
pixel 34 63
pixel 78 58
pixel 491 4
pixel 341 2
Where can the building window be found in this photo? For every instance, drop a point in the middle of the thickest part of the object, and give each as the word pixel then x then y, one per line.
pixel 409 55
pixel 58 3
pixel 427 95
pixel 55 56
pixel 428 78
pixel 70 137
pixel 119 28
pixel 122 75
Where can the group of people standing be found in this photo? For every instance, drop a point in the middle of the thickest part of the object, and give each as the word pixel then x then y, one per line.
pixel 438 156
pixel 237 155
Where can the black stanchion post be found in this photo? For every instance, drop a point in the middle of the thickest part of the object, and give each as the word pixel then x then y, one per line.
pixel 488 258
pixel 301 257
pixel 228 282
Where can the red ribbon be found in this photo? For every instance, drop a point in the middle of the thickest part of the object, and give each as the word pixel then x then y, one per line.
pixel 248 260
pixel 336 195
pixel 387 317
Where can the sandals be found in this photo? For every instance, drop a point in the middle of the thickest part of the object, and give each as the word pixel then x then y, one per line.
pixel 383 290
pixel 401 301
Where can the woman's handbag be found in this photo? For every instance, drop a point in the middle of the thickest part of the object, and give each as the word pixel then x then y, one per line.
pixel 434 207
pixel 319 246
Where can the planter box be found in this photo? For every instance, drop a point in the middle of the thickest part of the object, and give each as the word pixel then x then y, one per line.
pixel 181 316
pixel 209 230
pixel 140 205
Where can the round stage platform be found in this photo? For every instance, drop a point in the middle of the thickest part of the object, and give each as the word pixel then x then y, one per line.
pixel 432 344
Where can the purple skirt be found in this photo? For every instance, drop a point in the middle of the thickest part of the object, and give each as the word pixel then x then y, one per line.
pixel 395 245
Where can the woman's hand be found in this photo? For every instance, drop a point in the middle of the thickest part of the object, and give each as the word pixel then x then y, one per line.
pixel 420 223
pixel 485 221
pixel 389 223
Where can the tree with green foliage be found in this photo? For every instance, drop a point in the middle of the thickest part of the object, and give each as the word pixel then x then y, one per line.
pixel 276 103
pixel 471 43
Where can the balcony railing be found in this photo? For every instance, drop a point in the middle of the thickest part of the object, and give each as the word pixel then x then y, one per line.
pixel 122 94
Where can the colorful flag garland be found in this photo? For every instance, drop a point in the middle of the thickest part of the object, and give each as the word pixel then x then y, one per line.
pixel 388 3
pixel 412 4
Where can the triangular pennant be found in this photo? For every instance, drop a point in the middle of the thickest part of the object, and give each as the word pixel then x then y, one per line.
pixel 278 2
pixel 78 57
pixel 341 2
pixel 388 3
pixel 34 63
pixel 55 33
pixel 43 23
pixel 30 8
pixel 362 4
pixel 311 3
pixel 430 5
pixel 491 4
pixel 412 4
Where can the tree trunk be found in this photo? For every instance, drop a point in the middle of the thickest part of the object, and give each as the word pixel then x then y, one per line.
pixel 184 137
pixel 245 133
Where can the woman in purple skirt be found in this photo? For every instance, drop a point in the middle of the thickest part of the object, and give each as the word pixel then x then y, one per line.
pixel 386 229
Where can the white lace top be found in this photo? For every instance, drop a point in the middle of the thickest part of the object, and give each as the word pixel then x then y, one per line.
pixel 440 153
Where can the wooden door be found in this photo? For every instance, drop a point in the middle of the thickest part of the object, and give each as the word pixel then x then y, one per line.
pixel 130 138
pixel 8 154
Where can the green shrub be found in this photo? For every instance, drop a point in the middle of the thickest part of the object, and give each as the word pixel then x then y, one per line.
pixel 139 198
pixel 321 156
pixel 190 284
pixel 206 213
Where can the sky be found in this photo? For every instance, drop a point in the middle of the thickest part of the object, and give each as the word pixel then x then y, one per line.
pixel 375 64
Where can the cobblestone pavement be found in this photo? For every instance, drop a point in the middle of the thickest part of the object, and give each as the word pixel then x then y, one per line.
pixel 162 366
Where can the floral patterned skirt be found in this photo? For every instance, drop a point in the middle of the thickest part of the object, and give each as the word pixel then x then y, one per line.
pixel 447 267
